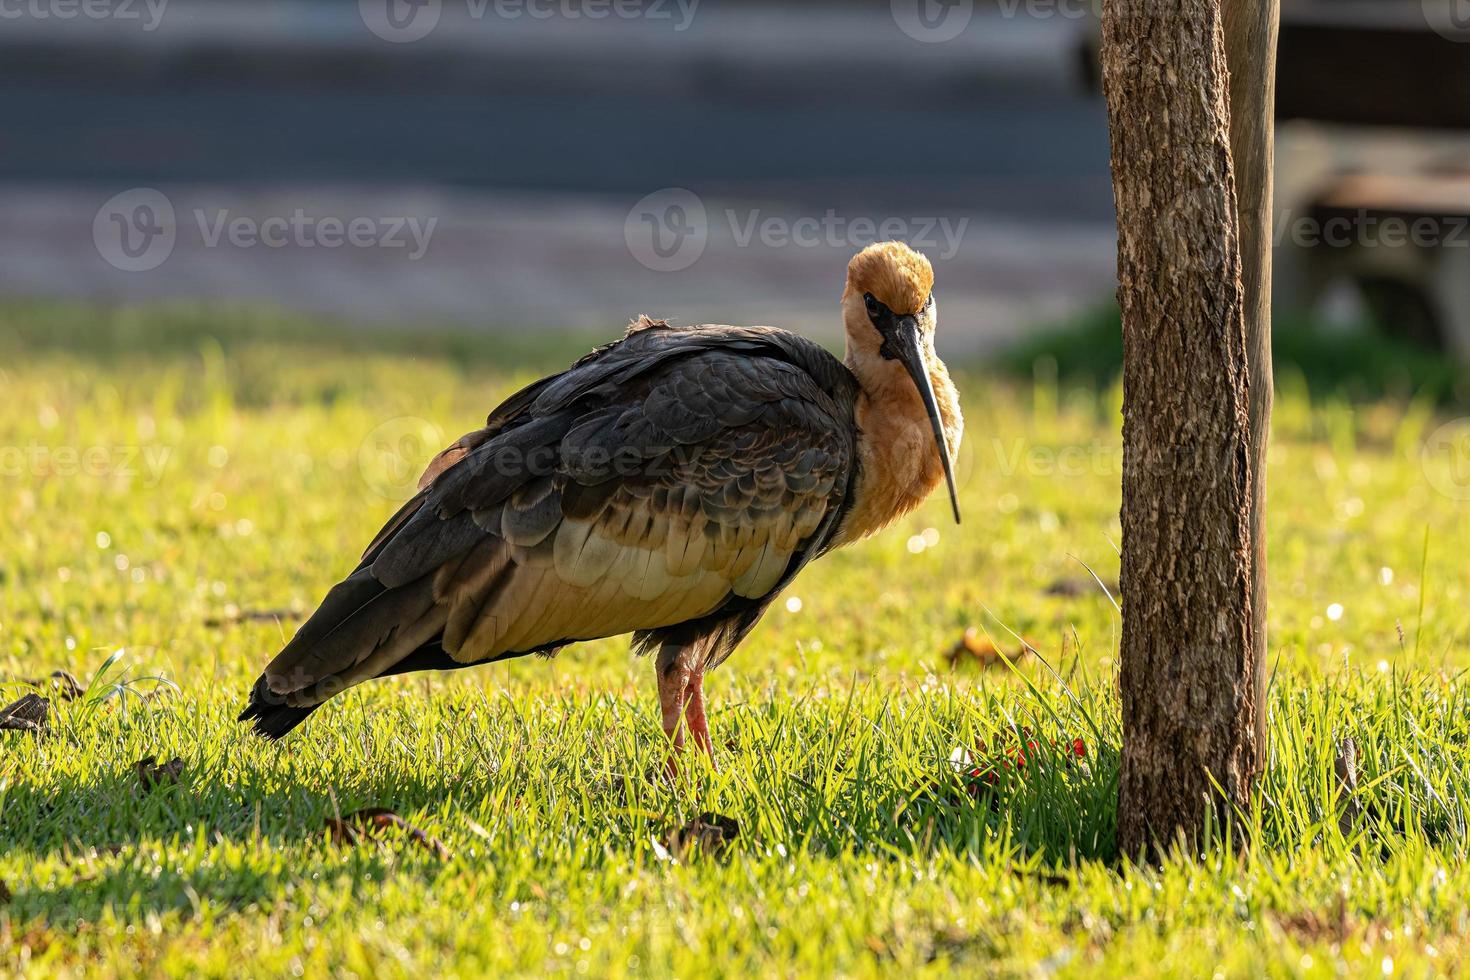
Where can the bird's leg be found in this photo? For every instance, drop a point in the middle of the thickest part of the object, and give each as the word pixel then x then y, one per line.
pixel 680 670
pixel 694 715
pixel 673 682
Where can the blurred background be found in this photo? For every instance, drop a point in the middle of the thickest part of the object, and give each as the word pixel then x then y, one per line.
pixel 524 166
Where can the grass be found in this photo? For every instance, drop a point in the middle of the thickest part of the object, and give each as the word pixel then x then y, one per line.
pixel 1362 362
pixel 182 489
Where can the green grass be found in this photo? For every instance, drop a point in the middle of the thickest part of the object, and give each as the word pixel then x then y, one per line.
pixel 1361 362
pixel 232 480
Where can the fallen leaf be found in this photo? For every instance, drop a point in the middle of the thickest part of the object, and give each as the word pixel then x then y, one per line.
pixel 60 683
pixel 708 833
pixel 26 715
pixel 975 645
pixel 374 821
pixel 151 775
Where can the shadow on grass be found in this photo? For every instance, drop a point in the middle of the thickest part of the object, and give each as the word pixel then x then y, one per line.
pixel 137 852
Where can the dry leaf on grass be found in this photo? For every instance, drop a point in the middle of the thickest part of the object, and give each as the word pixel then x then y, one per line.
pixel 976 646
pixel 60 684
pixel 151 775
pixel 26 715
pixel 233 615
pixel 374 821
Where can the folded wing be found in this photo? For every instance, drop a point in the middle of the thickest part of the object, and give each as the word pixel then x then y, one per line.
pixel 671 477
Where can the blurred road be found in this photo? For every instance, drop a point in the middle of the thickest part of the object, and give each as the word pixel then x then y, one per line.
pixel 533 145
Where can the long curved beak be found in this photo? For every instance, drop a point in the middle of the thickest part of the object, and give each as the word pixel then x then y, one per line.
pixel 910 351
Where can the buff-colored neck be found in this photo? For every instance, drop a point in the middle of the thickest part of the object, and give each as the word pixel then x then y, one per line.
pixel 900 464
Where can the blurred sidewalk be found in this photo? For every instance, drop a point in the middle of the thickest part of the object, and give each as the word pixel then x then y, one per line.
pixel 543 150
pixel 533 262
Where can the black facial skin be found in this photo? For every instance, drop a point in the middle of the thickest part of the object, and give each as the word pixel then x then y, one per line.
pixel 902 342
pixel 889 323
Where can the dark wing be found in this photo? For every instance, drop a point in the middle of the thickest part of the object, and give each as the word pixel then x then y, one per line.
pixel 678 475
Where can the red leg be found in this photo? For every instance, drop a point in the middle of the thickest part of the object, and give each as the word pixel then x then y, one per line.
pixel 673 684
pixel 694 715
pixel 681 692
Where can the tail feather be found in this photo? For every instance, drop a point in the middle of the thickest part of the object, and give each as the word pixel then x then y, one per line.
pixel 360 631
pixel 272 717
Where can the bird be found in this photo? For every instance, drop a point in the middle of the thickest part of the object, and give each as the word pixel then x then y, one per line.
pixel 669 484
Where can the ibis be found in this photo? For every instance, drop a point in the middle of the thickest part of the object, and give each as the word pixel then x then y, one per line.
pixel 669 484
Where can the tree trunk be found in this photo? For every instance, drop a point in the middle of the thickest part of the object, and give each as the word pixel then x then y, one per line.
pixel 1189 659
pixel 1250 53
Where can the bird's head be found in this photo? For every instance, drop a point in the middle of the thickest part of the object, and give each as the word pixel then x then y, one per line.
pixel 889 313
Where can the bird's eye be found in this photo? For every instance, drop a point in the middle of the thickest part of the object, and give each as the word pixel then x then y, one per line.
pixel 871 303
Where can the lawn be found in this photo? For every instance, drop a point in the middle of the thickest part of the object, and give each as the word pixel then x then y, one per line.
pixel 179 487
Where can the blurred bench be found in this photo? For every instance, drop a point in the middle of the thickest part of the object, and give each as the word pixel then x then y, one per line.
pixel 1404 241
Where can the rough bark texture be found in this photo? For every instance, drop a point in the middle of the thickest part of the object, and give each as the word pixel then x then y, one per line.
pixel 1250 53
pixel 1188 654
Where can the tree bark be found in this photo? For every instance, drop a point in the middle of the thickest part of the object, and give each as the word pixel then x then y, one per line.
pixel 1189 659
pixel 1250 53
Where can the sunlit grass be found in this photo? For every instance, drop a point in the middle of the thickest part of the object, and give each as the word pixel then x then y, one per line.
pixel 184 500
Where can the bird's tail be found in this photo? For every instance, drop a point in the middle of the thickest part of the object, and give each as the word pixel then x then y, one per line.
pixel 361 630
pixel 271 715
